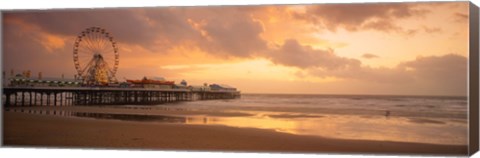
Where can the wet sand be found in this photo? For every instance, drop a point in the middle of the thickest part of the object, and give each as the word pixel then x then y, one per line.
pixel 22 129
pixel 136 110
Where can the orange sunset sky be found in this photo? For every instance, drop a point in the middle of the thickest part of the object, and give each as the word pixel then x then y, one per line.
pixel 378 48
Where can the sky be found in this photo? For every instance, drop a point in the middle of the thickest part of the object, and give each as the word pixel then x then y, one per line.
pixel 376 48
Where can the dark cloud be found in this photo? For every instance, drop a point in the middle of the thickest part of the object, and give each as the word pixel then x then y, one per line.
pixel 435 74
pixel 445 73
pixel 223 31
pixel 449 68
pixel 22 51
pixel 352 17
pixel 367 74
pixel 123 24
pixel 291 53
pixel 369 56
pixel 169 25
pixel 230 31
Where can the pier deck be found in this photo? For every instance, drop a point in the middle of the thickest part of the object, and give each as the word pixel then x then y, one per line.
pixel 65 96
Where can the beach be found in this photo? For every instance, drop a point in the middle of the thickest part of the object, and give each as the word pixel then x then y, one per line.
pixel 23 129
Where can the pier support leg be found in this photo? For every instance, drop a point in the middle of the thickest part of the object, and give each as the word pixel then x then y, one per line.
pixel 7 100
pixel 35 98
pixel 23 98
pixel 54 99
pixel 48 99
pixel 30 98
pixel 41 99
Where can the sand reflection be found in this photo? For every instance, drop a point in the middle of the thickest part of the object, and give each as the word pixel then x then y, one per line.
pixel 358 127
pixel 351 127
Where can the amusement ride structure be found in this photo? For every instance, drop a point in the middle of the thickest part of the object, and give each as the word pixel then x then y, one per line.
pixel 96 57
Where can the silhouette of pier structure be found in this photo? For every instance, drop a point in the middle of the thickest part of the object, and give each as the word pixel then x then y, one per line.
pixel 71 96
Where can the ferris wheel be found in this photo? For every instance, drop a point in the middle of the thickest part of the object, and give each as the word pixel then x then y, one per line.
pixel 96 57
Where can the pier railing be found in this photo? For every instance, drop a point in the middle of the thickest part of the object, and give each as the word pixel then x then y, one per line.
pixel 66 96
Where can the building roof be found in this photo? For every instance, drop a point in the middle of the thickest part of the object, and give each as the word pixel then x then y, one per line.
pixel 223 86
pixel 145 80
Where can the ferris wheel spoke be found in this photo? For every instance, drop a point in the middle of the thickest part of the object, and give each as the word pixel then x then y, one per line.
pixel 89 44
pixel 89 48
pixel 93 42
pixel 82 55
pixel 107 50
pixel 104 42
pixel 85 54
pixel 108 45
pixel 102 45
pixel 91 38
pixel 99 39
pixel 86 50
pixel 87 39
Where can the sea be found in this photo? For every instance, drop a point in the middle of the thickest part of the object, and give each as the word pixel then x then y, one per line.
pixel 419 119
pixel 416 119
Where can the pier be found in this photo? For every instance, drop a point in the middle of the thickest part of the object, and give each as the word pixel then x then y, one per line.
pixel 95 83
pixel 71 96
